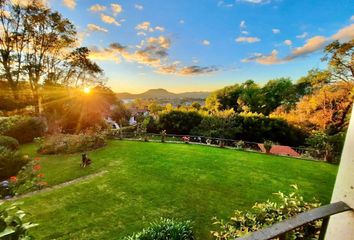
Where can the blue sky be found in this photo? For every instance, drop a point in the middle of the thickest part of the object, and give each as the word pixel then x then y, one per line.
pixel 198 45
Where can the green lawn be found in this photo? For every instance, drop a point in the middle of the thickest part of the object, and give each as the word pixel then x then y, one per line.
pixel 146 181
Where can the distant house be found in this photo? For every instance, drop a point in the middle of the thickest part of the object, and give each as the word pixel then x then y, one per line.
pixel 280 150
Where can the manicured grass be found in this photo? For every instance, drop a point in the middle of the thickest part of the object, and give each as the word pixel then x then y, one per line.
pixel 146 181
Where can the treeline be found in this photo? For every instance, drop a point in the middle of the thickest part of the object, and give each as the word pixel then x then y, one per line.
pixel 246 127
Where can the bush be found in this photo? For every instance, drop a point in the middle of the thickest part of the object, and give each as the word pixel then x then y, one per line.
pixel 165 229
pixel 250 128
pixel 268 213
pixel 179 122
pixel 26 129
pixel 12 224
pixel 9 142
pixel 66 143
pixel 268 146
pixel 11 163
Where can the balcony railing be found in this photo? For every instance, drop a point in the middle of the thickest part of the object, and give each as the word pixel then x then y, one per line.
pixel 279 230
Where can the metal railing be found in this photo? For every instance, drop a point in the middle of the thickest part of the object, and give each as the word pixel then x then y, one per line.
pixel 305 153
pixel 279 230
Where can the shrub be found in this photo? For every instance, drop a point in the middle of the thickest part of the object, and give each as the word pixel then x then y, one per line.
pixel 26 129
pixel 165 229
pixel 268 146
pixel 66 143
pixel 11 162
pixel 28 179
pixel 266 214
pixel 179 122
pixel 250 128
pixel 12 224
pixel 7 123
pixel 9 142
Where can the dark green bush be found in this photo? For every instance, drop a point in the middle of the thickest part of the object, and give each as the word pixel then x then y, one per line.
pixel 250 128
pixel 67 143
pixel 26 129
pixel 165 229
pixel 179 122
pixel 9 142
pixel 11 163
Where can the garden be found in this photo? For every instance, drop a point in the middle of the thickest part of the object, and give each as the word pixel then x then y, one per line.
pixel 133 183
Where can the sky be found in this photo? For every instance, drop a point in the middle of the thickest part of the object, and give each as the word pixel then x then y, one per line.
pixel 203 45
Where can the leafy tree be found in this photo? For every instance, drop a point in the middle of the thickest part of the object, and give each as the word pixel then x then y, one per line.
pixel 277 92
pixel 196 105
pixel 340 60
pixel 120 113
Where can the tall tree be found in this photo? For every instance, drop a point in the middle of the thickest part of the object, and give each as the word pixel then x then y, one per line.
pixel 340 57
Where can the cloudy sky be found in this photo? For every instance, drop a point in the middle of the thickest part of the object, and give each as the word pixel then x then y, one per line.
pixel 198 45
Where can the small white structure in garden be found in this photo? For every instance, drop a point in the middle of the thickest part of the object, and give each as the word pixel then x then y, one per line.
pixel 113 124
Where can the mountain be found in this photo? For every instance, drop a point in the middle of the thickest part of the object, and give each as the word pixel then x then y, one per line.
pixel 161 93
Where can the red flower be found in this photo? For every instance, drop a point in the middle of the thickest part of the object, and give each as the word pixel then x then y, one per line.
pixel 37 158
pixel 40 175
pixel 13 179
pixel 37 167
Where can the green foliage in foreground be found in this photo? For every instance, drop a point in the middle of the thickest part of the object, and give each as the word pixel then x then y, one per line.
pixel 146 181
pixel 165 229
pixel 12 223
pixel 268 213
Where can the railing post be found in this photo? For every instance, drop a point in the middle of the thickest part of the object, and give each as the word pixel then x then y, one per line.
pixel 341 226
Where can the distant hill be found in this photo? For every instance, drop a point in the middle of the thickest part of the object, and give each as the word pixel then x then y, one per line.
pixel 161 93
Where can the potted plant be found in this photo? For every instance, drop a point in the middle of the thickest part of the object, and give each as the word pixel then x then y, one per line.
pixel 268 146
pixel 185 139
pixel 163 135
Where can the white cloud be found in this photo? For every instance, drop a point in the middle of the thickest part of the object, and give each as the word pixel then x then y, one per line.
pixel 243 24
pixel 288 42
pixel 344 34
pixel 265 59
pixel 224 4
pixel 97 8
pixel 141 34
pixel 158 28
pixel 95 28
pixel 144 26
pixel 255 1
pixel 248 39
pixel 313 44
pixel 206 42
pixel 139 7
pixel 304 35
pixel 116 8
pixel 245 32
pixel 275 30
pixel 352 18
pixel 69 3
pixel 181 21
pixel 108 19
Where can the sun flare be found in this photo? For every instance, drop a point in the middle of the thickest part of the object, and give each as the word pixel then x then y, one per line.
pixel 87 90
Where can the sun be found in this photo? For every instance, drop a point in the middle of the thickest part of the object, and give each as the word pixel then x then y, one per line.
pixel 87 90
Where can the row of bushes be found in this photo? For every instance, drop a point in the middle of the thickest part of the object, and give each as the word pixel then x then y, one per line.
pixel 24 129
pixel 248 128
pixel 67 143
